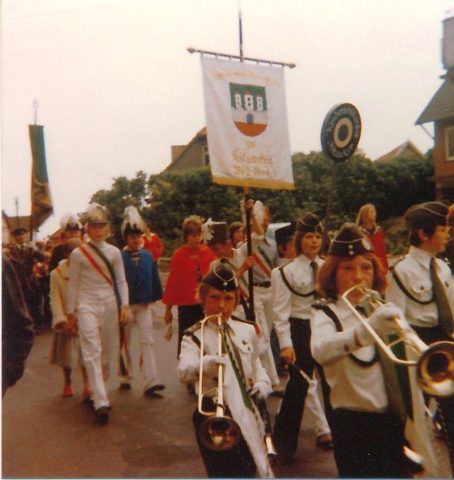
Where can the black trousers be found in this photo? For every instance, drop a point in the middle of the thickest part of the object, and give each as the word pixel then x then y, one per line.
pixel 368 445
pixel 288 420
pixel 234 463
pixel 188 315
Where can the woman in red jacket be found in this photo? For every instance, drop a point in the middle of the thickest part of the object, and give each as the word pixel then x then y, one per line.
pixel 367 222
pixel 189 264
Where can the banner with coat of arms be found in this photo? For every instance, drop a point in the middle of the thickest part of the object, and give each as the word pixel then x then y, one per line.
pixel 246 115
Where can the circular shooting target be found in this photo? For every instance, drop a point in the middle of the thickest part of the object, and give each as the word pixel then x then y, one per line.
pixel 341 131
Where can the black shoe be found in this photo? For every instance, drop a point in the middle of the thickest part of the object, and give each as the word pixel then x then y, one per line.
pixel 125 386
pixel 102 415
pixel 151 392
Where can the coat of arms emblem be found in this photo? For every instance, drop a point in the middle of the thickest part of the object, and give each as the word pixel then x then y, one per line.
pixel 249 108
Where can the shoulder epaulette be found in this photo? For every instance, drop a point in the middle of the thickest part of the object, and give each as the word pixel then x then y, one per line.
pixel 287 284
pixel 249 322
pixel 324 306
pixel 237 319
pixel 404 290
pixel 190 331
pixel 193 328
pixel 393 266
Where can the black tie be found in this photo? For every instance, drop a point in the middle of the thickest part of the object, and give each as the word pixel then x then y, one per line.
pixel 444 310
pixel 314 266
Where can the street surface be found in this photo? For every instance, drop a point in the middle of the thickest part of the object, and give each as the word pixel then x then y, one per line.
pixel 46 435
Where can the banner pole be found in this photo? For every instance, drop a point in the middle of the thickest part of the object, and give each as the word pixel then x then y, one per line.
pixel 247 196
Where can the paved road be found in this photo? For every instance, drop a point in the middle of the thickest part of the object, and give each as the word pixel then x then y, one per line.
pixel 45 435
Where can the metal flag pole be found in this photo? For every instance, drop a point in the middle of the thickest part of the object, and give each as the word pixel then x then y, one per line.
pixel 247 196
pixel 35 122
pixel 242 58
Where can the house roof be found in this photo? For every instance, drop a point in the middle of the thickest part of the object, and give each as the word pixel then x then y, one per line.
pixel 200 133
pixel 402 150
pixel 441 106
pixel 16 222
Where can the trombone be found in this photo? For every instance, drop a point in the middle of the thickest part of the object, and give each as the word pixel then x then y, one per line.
pixel 218 431
pixel 435 362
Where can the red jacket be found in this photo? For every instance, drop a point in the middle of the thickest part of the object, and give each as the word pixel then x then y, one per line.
pixel 377 238
pixel 153 244
pixel 187 268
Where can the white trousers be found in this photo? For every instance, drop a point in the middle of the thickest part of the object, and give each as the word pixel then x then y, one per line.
pixel 263 307
pixel 313 407
pixel 100 345
pixel 141 319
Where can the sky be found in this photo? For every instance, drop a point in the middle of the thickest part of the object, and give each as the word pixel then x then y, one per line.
pixel 116 87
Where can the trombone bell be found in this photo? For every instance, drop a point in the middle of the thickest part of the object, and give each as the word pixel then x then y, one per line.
pixel 435 362
pixel 435 369
pixel 219 433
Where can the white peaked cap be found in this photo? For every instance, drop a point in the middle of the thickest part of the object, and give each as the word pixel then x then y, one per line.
pixel 132 221
pixel 69 220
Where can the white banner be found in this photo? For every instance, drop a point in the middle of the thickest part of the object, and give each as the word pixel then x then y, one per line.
pixel 247 130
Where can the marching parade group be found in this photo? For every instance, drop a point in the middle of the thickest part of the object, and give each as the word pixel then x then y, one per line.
pixel 315 301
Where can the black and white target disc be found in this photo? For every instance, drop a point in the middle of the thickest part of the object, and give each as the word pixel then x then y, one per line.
pixel 341 131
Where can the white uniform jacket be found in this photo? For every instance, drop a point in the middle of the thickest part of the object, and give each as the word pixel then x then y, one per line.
pixel 299 274
pixel 414 273
pixel 59 277
pixel 87 285
pixel 353 387
pixel 243 335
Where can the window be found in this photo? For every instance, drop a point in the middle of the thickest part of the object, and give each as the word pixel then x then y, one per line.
pixel 238 100
pixel 449 143
pixel 205 155
pixel 249 102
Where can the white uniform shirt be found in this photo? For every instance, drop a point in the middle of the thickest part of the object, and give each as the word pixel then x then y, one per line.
pixel 352 386
pixel 414 273
pixel 286 304
pixel 245 338
pixel 87 285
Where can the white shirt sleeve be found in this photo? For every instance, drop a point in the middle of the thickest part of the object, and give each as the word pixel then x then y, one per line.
pixel 189 362
pixel 74 274
pixel 282 308
pixel 327 344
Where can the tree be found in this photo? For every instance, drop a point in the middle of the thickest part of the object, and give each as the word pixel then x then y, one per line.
pixel 123 193
pixel 165 199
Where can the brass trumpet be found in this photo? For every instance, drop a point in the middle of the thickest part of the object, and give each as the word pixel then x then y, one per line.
pixel 435 363
pixel 218 431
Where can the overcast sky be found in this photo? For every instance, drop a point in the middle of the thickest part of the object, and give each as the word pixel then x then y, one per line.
pixel 116 86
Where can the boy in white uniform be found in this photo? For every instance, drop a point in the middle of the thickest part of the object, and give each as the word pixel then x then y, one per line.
pixel 97 300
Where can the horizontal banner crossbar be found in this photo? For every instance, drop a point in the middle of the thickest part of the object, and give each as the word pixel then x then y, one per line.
pixel 237 57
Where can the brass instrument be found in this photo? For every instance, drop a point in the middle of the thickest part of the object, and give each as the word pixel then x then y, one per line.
pixel 217 432
pixel 435 362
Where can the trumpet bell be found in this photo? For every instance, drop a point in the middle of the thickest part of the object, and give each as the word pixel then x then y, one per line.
pixel 219 433
pixel 435 369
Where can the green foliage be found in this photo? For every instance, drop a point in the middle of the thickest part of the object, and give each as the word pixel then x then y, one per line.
pixel 123 193
pixel 335 192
